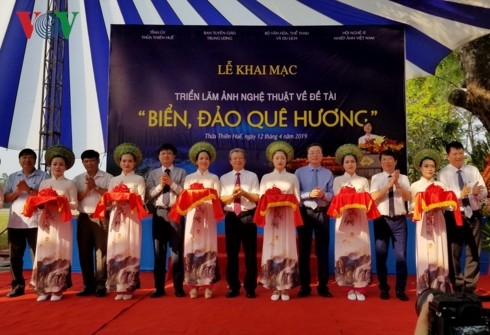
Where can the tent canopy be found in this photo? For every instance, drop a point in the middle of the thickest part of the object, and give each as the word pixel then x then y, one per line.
pixel 433 29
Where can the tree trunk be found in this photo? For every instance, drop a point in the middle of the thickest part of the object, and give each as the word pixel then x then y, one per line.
pixel 475 94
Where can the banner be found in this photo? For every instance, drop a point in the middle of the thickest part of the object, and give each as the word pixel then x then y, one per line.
pixel 248 86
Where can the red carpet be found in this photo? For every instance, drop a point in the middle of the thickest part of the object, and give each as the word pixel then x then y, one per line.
pixel 219 315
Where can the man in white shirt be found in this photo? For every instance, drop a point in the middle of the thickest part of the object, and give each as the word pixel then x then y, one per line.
pixel 390 190
pixel 467 183
pixel 22 230
pixel 92 233
pixel 239 195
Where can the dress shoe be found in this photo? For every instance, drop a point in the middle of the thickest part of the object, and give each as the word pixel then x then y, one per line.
pixel 18 290
pixel 86 291
pixel 208 293
pixel 193 293
pixel 275 295
pixel 303 292
pixel 251 294
pixel 351 295
pixel 324 292
pixel 402 296
pixel 127 297
pixel 360 296
pixel 157 294
pixel 232 293
pixel 56 297
pixel 285 295
pixel 120 296
pixel 385 295
pixel 101 292
pixel 179 293
pixel 43 297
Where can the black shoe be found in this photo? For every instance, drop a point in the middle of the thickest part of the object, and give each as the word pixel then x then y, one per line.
pixel 324 292
pixel 179 293
pixel 402 296
pixel 232 293
pixel 100 292
pixel 251 294
pixel 304 292
pixel 157 294
pixel 385 295
pixel 17 291
pixel 86 292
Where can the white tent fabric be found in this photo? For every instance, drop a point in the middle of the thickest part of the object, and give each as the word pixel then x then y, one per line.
pixel 433 29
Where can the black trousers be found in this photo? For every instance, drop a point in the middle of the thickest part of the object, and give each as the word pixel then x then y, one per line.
pixel 167 232
pixel 467 236
pixel 316 222
pixel 241 231
pixel 92 241
pixel 18 240
pixel 394 229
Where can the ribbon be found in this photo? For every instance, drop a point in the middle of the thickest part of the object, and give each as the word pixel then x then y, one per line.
pixel 190 199
pixel 349 198
pixel 135 203
pixel 274 198
pixel 33 202
pixel 434 197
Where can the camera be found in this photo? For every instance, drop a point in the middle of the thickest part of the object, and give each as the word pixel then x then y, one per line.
pixel 458 313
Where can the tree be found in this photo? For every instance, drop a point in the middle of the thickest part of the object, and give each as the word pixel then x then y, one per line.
pixel 474 95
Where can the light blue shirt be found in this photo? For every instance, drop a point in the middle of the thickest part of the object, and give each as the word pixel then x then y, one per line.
pixel 16 219
pixel 305 176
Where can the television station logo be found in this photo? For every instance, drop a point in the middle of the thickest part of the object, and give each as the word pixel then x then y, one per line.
pixel 47 25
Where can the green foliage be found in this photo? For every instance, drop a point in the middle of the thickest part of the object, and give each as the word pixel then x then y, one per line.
pixel 432 121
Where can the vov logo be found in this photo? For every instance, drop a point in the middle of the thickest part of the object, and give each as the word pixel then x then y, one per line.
pixel 47 25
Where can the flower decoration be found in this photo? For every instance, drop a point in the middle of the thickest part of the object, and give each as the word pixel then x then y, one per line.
pixel 121 188
pixel 273 190
pixel 196 186
pixel 379 144
pixel 48 192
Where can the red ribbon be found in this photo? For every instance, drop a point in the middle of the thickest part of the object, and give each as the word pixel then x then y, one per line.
pixel 348 198
pixel 135 203
pixel 435 197
pixel 33 202
pixel 272 199
pixel 192 198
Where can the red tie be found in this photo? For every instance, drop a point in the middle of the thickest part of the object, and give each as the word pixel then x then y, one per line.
pixel 237 207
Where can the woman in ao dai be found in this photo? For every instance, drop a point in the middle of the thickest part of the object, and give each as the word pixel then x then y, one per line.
pixel 431 255
pixel 124 238
pixel 352 241
pixel 279 265
pixel 52 261
pixel 200 235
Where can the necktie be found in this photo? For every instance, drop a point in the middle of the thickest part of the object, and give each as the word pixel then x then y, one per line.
pixel 166 188
pixel 314 180
pixel 466 202
pixel 391 201
pixel 237 207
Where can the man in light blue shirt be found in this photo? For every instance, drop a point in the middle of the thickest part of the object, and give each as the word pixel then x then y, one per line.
pixel 316 191
pixel 20 185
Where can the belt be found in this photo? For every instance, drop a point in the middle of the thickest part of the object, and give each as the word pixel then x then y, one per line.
pixel 394 217
pixel 317 210
pixel 161 207
pixel 242 213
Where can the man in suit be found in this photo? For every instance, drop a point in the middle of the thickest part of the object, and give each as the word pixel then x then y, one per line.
pixel 239 195
pixel 22 230
pixel 92 233
pixel 390 190
pixel 467 183
pixel 163 185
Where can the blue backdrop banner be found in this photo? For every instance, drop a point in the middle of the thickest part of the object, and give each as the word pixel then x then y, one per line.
pixel 248 86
